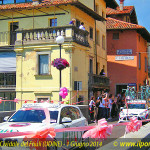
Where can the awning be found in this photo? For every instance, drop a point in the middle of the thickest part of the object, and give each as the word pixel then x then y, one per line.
pixel 7 62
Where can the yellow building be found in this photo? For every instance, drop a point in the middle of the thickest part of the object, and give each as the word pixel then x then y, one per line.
pixel 31 29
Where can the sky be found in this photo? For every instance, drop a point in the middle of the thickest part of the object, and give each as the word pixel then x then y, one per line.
pixel 142 8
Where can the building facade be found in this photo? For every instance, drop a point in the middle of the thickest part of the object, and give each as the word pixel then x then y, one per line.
pixel 30 29
pixel 126 50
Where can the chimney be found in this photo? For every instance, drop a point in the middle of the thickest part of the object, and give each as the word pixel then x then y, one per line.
pixel 36 2
pixel 121 4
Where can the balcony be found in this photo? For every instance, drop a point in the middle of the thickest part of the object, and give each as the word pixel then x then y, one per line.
pixel 98 81
pixel 48 35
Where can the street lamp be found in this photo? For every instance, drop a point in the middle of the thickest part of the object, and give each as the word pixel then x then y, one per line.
pixel 60 41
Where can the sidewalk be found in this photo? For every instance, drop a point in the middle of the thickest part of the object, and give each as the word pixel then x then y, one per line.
pixel 133 141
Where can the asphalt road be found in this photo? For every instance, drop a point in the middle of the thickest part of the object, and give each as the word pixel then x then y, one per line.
pixel 117 132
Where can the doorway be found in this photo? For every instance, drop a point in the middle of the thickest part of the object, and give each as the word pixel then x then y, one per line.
pixel 119 88
pixel 13 27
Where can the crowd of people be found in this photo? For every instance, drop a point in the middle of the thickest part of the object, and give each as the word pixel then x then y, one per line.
pixel 105 106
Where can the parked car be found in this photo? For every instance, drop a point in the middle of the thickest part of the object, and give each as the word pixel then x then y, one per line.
pixel 35 116
pixel 137 108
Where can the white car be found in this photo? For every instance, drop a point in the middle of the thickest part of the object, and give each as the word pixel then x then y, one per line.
pixel 137 108
pixel 36 116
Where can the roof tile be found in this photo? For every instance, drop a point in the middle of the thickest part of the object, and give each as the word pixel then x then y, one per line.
pixel 30 5
pixel 126 10
pixel 117 24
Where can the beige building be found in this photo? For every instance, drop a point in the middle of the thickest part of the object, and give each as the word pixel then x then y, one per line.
pixel 31 29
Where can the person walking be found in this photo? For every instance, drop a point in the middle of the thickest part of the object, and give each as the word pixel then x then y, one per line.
pixel 91 108
pixel 114 108
pixel 109 106
pixel 100 109
pixel 96 115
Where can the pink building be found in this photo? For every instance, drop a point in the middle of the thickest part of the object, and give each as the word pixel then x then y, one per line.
pixel 126 50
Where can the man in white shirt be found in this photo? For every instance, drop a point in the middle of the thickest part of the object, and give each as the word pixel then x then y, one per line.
pixel 82 26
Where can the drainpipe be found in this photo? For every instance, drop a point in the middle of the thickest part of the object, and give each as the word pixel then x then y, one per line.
pixel 95 40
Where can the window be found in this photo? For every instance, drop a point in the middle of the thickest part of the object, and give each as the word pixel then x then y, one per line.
pixel 139 60
pixel 7 79
pixel 103 42
pixel 64 113
pixel 97 38
pixel 8 105
pixel 53 22
pixel 43 64
pixel 42 99
pixel 103 14
pixel 74 113
pixel 146 64
pixel 36 116
pixel 13 27
pixel 53 116
pixel 115 36
pixel 91 66
pixel 139 38
pixel 91 33
pixel 97 8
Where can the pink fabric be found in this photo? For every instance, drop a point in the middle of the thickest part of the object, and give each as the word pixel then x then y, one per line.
pixel 134 125
pixel 16 100
pixel 100 131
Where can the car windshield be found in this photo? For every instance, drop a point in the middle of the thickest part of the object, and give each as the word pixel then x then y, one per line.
pixel 53 116
pixel 35 116
pixel 136 106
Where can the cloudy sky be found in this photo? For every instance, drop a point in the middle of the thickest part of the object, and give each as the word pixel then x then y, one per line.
pixel 142 8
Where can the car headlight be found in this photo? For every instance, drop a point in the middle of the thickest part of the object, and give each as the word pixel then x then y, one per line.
pixel 143 113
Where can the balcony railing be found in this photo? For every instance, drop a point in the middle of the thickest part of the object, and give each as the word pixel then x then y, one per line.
pixel 7 38
pixel 98 81
pixel 48 35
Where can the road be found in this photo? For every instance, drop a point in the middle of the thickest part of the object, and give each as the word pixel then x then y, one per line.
pixel 117 132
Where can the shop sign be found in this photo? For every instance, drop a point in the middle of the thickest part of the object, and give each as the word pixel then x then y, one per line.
pixel 124 57
pixel 124 52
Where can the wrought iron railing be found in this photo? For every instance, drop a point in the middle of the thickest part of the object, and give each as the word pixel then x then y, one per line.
pixel 98 81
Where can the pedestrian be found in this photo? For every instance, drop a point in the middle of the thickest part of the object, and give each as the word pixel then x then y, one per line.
pixel 109 106
pixel 100 109
pixel 73 21
pixel 114 108
pixel 91 108
pixel 82 26
pixel 97 103
pixel 104 105
pixel 119 101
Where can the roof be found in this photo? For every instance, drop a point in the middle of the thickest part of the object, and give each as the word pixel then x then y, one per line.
pixel 117 24
pixel 47 3
pixel 114 24
pixel 127 10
